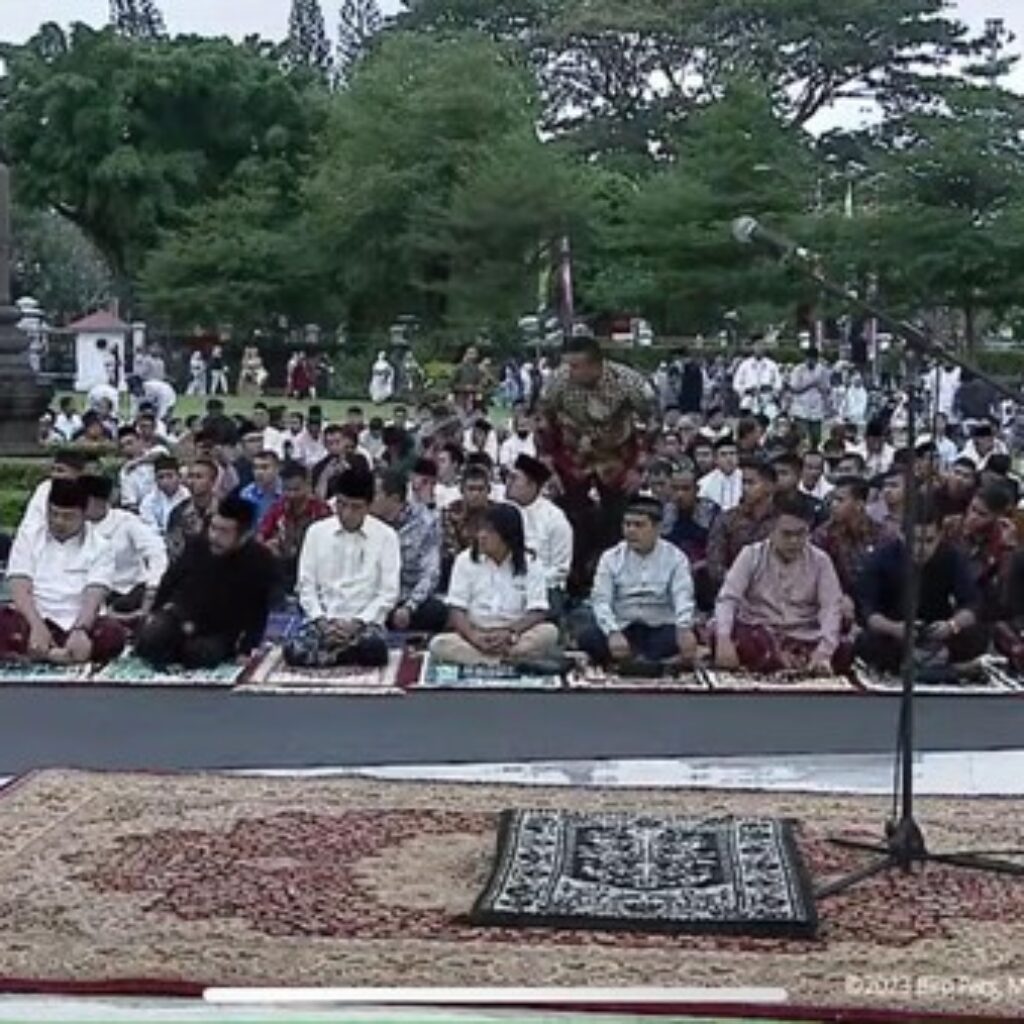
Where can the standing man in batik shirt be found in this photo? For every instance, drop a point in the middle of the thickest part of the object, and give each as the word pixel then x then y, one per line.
pixel 597 417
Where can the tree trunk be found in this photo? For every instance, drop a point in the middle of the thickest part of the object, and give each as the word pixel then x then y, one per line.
pixel 970 326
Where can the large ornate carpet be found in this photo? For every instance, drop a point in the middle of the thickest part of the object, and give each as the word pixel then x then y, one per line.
pixel 153 881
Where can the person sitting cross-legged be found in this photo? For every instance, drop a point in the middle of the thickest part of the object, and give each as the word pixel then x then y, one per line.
pixel 60 572
pixel 140 557
pixel 349 580
pixel 781 605
pixel 213 602
pixel 643 596
pixel 498 599
pixel 419 537
pixel 947 630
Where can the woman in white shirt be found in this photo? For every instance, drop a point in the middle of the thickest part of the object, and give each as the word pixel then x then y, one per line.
pixel 498 599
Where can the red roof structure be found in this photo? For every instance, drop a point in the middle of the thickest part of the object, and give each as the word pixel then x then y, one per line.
pixel 101 320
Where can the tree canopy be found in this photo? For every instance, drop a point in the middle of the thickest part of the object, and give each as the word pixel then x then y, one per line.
pixel 435 168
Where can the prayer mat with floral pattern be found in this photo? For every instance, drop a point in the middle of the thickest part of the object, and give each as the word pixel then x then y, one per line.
pixel 273 677
pixel 32 673
pixel 438 675
pixel 572 869
pixel 128 670
pixel 588 676
pixel 165 883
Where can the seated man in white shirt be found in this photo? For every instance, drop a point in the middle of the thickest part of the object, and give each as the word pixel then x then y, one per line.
pixel 68 464
pixel 60 572
pixel 642 599
pixel 169 493
pixel 137 478
pixel 520 440
pixel 140 557
pixel 349 581
pixel 497 599
pixel 724 484
pixel 447 491
pixel 549 535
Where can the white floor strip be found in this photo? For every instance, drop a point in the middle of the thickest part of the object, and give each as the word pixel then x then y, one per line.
pixel 963 773
pixel 956 773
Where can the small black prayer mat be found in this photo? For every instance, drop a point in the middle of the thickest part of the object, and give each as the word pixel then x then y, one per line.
pixel 568 869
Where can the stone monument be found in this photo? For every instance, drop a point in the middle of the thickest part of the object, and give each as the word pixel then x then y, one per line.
pixel 22 398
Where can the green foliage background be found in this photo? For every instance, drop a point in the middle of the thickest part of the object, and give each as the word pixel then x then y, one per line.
pixel 435 165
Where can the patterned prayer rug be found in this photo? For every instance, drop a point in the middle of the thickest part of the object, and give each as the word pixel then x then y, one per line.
pixel 989 681
pixel 435 675
pixel 722 681
pixel 162 883
pixel 131 671
pixel 592 677
pixel 30 673
pixel 566 869
pixel 273 677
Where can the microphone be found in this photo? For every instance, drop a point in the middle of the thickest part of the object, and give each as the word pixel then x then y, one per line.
pixel 750 231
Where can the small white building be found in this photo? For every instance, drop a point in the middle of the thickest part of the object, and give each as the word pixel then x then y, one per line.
pixel 101 342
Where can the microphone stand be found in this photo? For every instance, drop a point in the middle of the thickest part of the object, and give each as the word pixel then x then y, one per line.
pixel 903 844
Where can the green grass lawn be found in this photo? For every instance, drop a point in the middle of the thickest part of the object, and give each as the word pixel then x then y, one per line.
pixel 334 409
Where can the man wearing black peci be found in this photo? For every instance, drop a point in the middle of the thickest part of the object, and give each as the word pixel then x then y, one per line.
pixel 213 603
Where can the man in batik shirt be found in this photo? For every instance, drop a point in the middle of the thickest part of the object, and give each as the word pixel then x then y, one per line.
pixel 284 527
pixel 462 519
pixel 987 536
pixel 597 418
pixel 752 520
pixel 850 536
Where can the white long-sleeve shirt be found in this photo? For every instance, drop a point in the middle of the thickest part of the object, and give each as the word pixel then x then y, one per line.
pixel 140 555
pixel 549 536
pixel 491 595
pixel 655 589
pixel 753 374
pixel 350 574
pixel 724 491
pixel 514 446
pixel 60 571
pixel 156 507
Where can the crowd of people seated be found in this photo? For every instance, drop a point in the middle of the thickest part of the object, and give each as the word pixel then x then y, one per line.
pixel 599 518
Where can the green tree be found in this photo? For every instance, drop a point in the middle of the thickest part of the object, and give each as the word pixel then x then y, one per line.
pixel 945 227
pixel 502 225
pixel 359 21
pixel 139 19
pixel 669 251
pixel 418 119
pixel 238 259
pixel 307 45
pixel 619 75
pixel 55 264
pixel 122 138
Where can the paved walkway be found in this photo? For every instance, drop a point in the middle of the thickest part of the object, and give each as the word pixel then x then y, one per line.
pixel 91 727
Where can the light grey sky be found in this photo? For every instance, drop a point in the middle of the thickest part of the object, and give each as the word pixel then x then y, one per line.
pixel 237 18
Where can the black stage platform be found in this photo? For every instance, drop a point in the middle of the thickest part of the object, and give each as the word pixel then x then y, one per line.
pixel 93 727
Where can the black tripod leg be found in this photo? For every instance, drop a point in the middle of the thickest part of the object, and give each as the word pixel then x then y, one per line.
pixel 978 863
pixel 855 878
pixel 856 844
